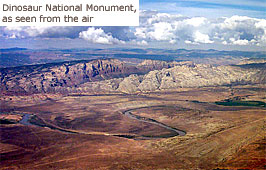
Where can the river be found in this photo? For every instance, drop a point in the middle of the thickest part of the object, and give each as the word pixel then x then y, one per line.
pixel 174 132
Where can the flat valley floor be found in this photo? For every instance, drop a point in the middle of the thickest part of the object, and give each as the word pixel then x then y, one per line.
pixel 91 130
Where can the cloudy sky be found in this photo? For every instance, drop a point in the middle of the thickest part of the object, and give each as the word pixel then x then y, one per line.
pixel 190 24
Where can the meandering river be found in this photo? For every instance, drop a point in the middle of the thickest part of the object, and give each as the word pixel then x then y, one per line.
pixel 173 131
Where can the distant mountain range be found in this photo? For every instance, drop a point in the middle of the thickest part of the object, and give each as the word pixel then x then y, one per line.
pixel 12 57
pixel 12 49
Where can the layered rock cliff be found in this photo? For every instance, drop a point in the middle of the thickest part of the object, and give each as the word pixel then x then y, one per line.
pixel 49 77
pixel 198 75
pixel 114 75
pixel 61 76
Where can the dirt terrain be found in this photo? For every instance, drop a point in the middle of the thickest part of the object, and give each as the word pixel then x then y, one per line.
pixel 225 137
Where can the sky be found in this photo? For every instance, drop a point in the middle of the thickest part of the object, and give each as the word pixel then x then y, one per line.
pixel 174 24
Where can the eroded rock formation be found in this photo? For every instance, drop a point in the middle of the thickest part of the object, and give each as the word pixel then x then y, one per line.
pixel 114 75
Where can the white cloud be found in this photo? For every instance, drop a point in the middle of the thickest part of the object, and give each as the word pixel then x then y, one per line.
pixel 199 30
pixel 189 42
pixel 143 42
pixel 99 36
pixel 161 31
pixel 140 32
pixel 172 41
pixel 239 42
pixel 261 24
pixel 196 21
pixel 202 38
pixel 160 28
pixel 13 28
pixel 45 32
pixel 241 30
pixel 30 31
